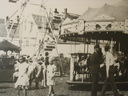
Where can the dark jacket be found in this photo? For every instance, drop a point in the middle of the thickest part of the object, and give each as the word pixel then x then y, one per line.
pixel 94 62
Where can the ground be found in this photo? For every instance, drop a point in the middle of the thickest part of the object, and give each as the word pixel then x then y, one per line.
pixel 61 89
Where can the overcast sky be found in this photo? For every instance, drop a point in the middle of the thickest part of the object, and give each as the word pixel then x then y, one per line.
pixel 74 6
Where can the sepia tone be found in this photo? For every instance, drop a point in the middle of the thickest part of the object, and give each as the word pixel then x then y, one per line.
pixel 63 48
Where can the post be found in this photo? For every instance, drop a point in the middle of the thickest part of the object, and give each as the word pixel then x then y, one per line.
pixel 73 59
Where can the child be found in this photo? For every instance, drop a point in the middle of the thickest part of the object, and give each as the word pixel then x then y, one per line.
pixel 23 80
pixel 51 68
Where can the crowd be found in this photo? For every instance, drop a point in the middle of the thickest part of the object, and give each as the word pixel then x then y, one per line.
pixel 28 69
pixel 106 66
pixel 97 65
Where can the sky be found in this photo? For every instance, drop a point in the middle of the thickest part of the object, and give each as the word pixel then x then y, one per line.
pixel 73 6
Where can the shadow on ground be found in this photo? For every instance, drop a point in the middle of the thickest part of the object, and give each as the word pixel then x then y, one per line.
pixel 99 88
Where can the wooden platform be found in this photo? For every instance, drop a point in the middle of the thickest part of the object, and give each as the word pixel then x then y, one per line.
pixel 88 83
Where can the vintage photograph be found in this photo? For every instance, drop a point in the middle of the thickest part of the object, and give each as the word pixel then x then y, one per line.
pixel 63 47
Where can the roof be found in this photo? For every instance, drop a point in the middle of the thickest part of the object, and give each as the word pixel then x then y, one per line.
pixel 3 31
pixel 6 46
pixel 116 12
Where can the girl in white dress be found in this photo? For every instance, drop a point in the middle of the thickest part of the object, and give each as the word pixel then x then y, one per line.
pixel 51 69
pixel 23 80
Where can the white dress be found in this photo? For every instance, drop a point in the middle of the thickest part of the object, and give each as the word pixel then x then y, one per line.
pixel 23 79
pixel 51 74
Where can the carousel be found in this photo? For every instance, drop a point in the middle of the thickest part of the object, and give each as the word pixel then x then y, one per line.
pixel 103 33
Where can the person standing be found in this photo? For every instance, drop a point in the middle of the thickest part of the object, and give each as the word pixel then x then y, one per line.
pixel 109 61
pixel 43 73
pixel 51 69
pixel 15 74
pixel 94 66
pixel 46 63
pixel 31 70
pixel 46 60
pixel 38 71
pixel 23 80
pixel 61 66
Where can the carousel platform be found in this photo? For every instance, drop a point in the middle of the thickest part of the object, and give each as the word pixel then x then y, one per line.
pixel 89 82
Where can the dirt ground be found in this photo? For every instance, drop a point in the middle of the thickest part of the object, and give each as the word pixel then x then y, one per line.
pixel 61 89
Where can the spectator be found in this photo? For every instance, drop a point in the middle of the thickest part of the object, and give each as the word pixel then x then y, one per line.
pixel 51 69
pixel 23 80
pixel 109 61
pixel 94 65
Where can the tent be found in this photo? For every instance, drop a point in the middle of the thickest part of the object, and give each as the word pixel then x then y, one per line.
pixel 8 46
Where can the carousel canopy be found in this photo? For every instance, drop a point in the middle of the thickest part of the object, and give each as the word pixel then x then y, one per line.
pixel 6 46
pixel 109 19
